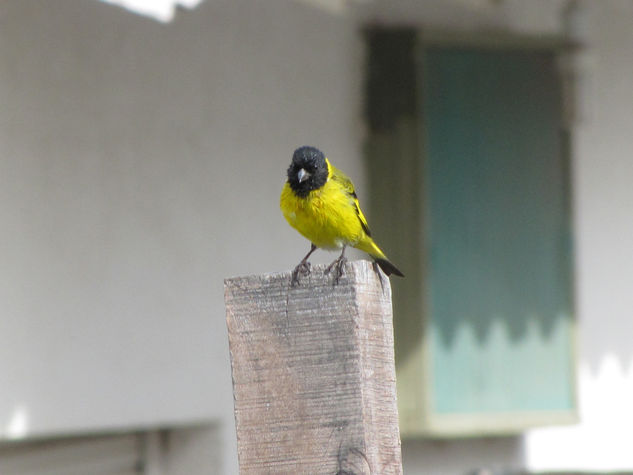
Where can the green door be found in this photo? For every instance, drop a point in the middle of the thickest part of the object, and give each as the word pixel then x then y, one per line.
pixel 468 164
pixel 497 232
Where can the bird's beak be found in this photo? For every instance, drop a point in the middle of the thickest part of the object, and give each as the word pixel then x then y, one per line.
pixel 303 175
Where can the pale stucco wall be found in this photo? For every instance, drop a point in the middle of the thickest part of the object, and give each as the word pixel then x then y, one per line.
pixel 140 164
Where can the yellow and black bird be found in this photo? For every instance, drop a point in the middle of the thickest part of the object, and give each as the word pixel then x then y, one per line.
pixel 319 201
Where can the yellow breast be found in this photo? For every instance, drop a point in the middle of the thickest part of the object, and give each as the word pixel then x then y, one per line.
pixel 327 216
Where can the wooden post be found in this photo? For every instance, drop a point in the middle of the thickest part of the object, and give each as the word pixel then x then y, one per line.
pixel 313 373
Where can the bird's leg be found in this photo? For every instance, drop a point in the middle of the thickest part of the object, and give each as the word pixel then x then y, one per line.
pixel 337 265
pixel 303 267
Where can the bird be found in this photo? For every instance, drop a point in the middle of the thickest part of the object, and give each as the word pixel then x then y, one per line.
pixel 320 202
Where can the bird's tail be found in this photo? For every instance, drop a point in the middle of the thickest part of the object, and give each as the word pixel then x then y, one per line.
pixel 370 247
pixel 387 267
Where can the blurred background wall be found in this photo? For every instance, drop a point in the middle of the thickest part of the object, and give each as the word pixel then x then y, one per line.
pixel 141 163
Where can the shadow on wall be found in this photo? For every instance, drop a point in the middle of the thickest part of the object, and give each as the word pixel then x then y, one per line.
pixel 464 456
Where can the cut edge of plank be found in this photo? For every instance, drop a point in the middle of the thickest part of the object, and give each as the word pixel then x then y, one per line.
pixel 360 268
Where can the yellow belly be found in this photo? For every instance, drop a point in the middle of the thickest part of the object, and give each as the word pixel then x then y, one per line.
pixel 326 217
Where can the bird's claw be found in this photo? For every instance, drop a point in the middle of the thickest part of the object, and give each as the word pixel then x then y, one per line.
pixel 379 274
pixel 303 268
pixel 338 266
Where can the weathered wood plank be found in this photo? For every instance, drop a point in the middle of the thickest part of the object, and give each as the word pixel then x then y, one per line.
pixel 313 373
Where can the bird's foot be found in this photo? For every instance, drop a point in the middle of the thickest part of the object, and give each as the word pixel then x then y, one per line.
pixel 303 268
pixel 337 266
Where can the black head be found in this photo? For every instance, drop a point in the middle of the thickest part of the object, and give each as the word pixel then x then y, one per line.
pixel 308 171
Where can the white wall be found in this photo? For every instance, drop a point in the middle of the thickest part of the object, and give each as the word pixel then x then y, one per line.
pixel 603 205
pixel 140 164
pixel 603 170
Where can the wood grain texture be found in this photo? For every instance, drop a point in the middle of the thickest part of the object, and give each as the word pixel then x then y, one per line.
pixel 313 373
